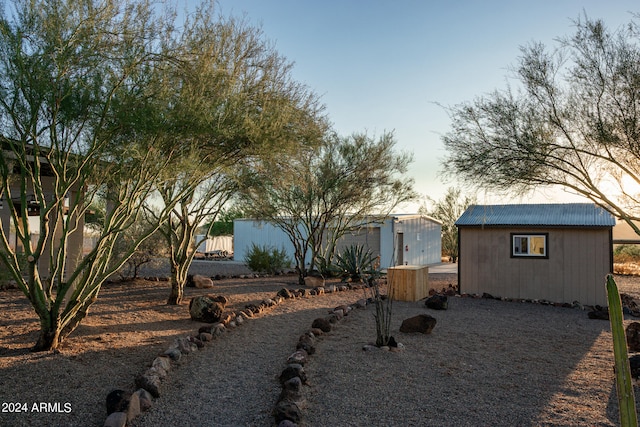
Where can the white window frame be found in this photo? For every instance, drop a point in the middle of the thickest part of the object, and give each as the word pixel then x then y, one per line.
pixel 516 245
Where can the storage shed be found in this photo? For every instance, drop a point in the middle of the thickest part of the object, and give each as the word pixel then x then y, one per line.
pixel 398 239
pixel 554 252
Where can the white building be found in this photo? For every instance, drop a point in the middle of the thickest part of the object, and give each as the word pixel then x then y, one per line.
pixel 397 239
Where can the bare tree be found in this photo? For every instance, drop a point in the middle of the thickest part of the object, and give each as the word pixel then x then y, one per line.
pixel 574 122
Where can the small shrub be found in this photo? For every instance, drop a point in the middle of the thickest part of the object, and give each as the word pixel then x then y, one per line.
pixel 267 259
pixel 627 254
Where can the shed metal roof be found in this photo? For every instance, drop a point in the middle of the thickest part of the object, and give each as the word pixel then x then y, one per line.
pixel 559 214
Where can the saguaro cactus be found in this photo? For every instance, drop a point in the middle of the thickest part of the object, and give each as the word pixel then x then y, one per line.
pixel 624 386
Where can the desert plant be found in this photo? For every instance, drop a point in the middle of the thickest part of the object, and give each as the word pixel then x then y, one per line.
pixel 627 254
pixel 383 303
pixel 624 385
pixel 382 316
pixel 267 259
pixel 355 263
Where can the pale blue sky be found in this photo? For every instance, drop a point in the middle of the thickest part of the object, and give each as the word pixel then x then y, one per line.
pixel 383 65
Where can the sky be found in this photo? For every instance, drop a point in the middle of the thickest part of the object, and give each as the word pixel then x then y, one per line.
pixel 383 66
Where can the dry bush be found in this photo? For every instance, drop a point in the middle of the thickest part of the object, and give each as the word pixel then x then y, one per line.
pixel 626 268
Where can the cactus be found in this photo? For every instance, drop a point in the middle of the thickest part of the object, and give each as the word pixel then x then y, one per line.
pixel 624 386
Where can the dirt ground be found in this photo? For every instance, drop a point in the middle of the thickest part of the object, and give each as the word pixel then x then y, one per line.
pixel 127 327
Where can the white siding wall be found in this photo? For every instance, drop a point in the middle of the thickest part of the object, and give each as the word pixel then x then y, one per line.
pixel 422 235
pixel 422 240
pixel 387 244
pixel 246 232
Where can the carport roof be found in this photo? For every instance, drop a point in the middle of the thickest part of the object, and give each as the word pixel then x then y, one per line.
pixel 559 214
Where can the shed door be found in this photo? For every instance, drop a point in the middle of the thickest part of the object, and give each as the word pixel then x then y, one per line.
pixel 400 248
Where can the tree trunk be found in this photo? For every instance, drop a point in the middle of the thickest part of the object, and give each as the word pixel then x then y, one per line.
pixel 176 294
pixel 49 339
pixel 179 272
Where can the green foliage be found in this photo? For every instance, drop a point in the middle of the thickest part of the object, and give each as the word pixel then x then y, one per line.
pixel 317 194
pixel 562 119
pixel 627 253
pixel 624 384
pixel 95 216
pixel 267 259
pixel 355 262
pixel 448 210
pixel 223 225
pixel 76 96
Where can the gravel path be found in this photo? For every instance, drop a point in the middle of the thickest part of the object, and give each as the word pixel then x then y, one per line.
pixel 234 381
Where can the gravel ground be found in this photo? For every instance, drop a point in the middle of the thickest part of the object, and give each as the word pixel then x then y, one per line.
pixel 487 362
pixel 235 381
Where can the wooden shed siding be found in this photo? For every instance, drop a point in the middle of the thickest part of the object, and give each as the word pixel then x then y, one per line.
pixel 579 259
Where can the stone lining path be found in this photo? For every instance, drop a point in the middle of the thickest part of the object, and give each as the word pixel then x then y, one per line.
pixel 233 381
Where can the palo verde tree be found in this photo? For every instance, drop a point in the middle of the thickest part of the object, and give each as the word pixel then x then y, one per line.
pixel 77 125
pixel 236 102
pixel 321 192
pixel 573 122
pixel 448 210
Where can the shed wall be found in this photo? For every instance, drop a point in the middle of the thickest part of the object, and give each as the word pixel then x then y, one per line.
pixel 247 232
pixel 421 235
pixel 368 237
pixel 422 240
pixel 579 260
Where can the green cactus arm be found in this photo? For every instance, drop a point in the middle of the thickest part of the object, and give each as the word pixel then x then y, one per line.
pixel 624 386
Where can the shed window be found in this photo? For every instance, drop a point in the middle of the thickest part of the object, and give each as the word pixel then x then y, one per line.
pixel 529 245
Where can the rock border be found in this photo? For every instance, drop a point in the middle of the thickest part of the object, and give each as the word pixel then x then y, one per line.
pixel 123 406
pixel 287 411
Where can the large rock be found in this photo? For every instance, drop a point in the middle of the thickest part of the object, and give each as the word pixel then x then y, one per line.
pixel 285 293
pixel 202 282
pixel 634 364
pixel 633 337
pixel 149 381
pixel 599 313
pixel 422 323
pixel 321 323
pixel 437 302
pixel 206 308
pixel 287 410
pixel 299 357
pixel 313 282
pixel 145 399
pixel 117 401
pixel 174 354
pixel 307 344
pixel 293 370
pixel 292 390
pixel 162 362
pixel 134 407
pixel 116 419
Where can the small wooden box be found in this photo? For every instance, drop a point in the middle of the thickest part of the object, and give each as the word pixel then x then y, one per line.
pixel 408 282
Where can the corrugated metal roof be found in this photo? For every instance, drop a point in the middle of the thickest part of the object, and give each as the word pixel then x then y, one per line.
pixel 560 214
